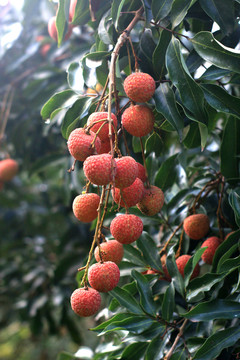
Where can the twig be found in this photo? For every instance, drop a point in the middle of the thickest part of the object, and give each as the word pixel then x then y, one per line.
pixel 172 235
pixel 170 352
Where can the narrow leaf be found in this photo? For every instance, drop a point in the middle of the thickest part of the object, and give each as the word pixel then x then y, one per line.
pixel 179 10
pixel 168 304
pixel 146 297
pixel 160 9
pixel 149 251
pixel 56 101
pixel 126 300
pixel 162 179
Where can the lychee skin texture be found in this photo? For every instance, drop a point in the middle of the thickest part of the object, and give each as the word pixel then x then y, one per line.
pixel 152 201
pixel 105 147
pixel 98 169
pixel 212 243
pixel 138 120
pixel 85 302
pixel 85 207
pixel 52 29
pixel 126 172
pixel 111 250
pixel 142 173
pixel 96 116
pixel 104 277
pixel 196 226
pixel 8 169
pixel 126 228
pixel 139 87
pixel 79 144
pixel 181 263
pixel 130 195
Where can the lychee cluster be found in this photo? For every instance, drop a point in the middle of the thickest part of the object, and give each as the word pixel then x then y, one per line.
pixel 8 169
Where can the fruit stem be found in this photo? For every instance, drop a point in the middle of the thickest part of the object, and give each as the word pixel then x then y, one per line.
pixel 103 93
pixel 73 166
pixel 171 31
pixel 144 162
pixel 134 54
pixel 172 235
pixel 180 245
pixel 179 335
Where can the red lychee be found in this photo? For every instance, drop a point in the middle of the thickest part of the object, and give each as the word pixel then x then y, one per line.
pixel 85 207
pixel 152 201
pixel 126 172
pixel 105 147
pixel 196 226
pixel 138 120
pixel 212 243
pixel 52 29
pixel 181 263
pixel 104 277
pixel 72 9
pixel 111 250
pixel 98 116
pixel 99 168
pixel 131 195
pixel 142 173
pixel 8 169
pixel 85 301
pixel 126 228
pixel 79 144
pixel 139 87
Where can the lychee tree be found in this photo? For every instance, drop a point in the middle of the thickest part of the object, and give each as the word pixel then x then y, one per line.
pixel 168 71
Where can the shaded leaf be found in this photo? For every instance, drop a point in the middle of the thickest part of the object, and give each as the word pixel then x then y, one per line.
pixel 162 177
pixel 160 9
pixel 126 300
pixel 178 11
pixel 159 53
pixel 62 19
pixel 146 298
pixel 224 247
pixel 82 13
pixel 149 251
pixel 168 304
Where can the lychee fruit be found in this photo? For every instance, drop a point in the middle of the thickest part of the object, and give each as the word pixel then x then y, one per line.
pixel 142 173
pixel 152 201
pixel 97 117
pixel 138 120
pixel 8 169
pixel 85 301
pixel 99 169
pixel 111 250
pixel 105 146
pixel 129 196
pixel 85 207
pixel 104 276
pixel 126 228
pixel 212 243
pixel 139 87
pixel 80 144
pixel 52 29
pixel 181 263
pixel 126 172
pixel 196 226
pixel 72 9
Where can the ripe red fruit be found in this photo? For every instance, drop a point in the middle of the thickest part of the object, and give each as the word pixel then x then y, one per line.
pixel 85 207
pixel 72 9
pixel 111 250
pixel 139 87
pixel 212 243
pixel 105 146
pixel 152 201
pixel 85 302
pixel 8 169
pixel 98 116
pixel 79 144
pixel 196 226
pixel 131 195
pixel 142 173
pixel 126 228
pixel 126 172
pixel 98 169
pixel 52 29
pixel 181 263
pixel 104 277
pixel 138 120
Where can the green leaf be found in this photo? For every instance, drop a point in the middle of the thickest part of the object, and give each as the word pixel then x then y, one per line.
pixel 230 149
pixel 149 251
pixel 168 304
pixel 214 52
pixel 62 19
pixel 45 162
pixel 221 100
pixel 214 309
pixel 159 53
pixel 147 44
pixel 226 256
pixel 190 266
pixel 193 138
pixel 56 101
pixel 126 300
pixel 134 351
pixel 115 318
pixel 66 356
pixel 162 179
pixel 234 200
pixel 179 10
pixel 154 144
pixel 133 323
pixel 155 349
pixel 214 73
pixel 146 297
pixel 230 264
pixel 179 355
pixel 116 11
pixel 160 9
pixel 166 104
pixel 177 278
pixel 217 342
pixel 74 114
pixel 133 254
pixel 82 13
pixel 224 247
pixel 222 12
pixel 190 92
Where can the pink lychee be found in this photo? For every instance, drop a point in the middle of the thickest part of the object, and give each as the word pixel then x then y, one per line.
pixel 85 301
pixel 129 196
pixel 85 207
pixel 80 144
pixel 139 87
pixel 152 201
pixel 126 171
pixel 138 120
pixel 126 228
pixel 111 250
pixel 104 276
